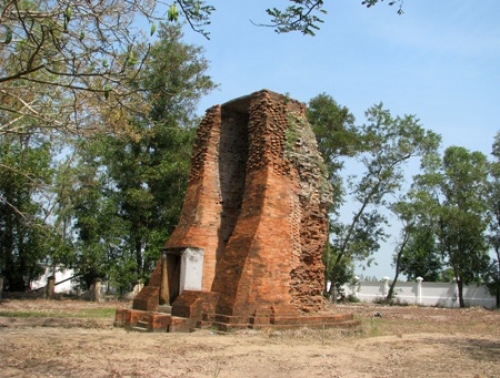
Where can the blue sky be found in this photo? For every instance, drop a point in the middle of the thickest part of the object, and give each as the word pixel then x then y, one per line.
pixel 440 60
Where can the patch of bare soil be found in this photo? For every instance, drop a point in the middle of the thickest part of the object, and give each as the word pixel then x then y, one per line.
pixel 398 342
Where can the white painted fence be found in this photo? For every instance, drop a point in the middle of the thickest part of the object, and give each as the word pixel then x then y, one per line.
pixel 422 293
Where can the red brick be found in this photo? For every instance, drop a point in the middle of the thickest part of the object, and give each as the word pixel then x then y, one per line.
pixel 256 204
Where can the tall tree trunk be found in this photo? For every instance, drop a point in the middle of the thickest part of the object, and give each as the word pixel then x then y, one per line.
pixel 333 287
pixel 406 238
pixel 497 251
pixel 138 256
pixel 390 294
pixel 460 292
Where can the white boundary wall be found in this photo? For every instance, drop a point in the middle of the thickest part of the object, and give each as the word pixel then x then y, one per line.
pixel 61 274
pixel 422 293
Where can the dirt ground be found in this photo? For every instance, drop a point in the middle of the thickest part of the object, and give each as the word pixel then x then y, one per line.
pixel 398 342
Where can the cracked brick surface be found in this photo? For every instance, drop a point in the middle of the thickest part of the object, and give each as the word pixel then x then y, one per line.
pixel 256 204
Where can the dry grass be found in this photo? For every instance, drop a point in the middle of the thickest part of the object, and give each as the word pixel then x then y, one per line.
pixel 403 342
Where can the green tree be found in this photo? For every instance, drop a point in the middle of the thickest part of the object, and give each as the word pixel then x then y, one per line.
pixel 137 179
pixel 89 52
pixel 416 253
pixel 344 273
pixel 68 56
pixel 96 232
pixel 382 146
pixel 150 168
pixel 24 238
pixel 493 273
pixel 61 59
pixel 338 138
pixel 455 189
pixel 389 143
pixel 405 212
pixel 421 257
pixel 492 277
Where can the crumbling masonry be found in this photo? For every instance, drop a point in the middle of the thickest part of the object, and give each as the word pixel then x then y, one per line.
pixel 248 246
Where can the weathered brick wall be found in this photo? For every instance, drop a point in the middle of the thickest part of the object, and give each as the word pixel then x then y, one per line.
pixel 273 258
pixel 233 154
pixel 256 204
pixel 315 197
pixel 201 212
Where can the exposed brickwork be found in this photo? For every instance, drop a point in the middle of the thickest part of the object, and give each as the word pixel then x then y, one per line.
pixel 256 206
pixel 200 220
pixel 122 317
pixel 273 257
pixel 148 299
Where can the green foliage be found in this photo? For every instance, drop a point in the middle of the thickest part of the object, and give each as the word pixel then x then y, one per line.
pixel 417 253
pixel 492 279
pixel 421 257
pixel 62 54
pixel 116 196
pixel 305 16
pixel 129 187
pixel 196 12
pixel 371 3
pixel 388 143
pixel 492 274
pixel 300 16
pixel 337 138
pixel 338 274
pixel 353 299
pixel 382 146
pixel 24 239
pixel 334 127
pixel 454 190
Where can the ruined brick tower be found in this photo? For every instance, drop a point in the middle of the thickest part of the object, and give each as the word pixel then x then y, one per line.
pixel 248 246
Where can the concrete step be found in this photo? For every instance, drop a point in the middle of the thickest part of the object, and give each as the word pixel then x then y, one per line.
pixel 165 309
pixel 139 329
pixel 142 324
